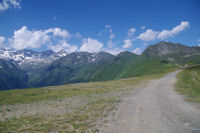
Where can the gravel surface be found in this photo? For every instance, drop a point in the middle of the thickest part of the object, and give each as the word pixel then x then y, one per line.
pixel 155 108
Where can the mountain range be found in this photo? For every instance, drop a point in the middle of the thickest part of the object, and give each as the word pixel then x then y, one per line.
pixel 28 59
pixel 27 68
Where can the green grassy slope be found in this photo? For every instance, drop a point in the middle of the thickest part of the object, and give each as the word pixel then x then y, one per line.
pixel 55 92
pixel 112 69
pixel 126 65
pixel 189 83
pixel 144 66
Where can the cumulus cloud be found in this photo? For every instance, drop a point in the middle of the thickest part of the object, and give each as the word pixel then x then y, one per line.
pixel 58 32
pixel 137 51
pixel 63 45
pixel 181 27
pixel 6 4
pixel 148 35
pixel 94 46
pixel 127 43
pixel 168 33
pixel 2 40
pixel 91 45
pixel 25 38
pixel 131 32
pixel 55 39
pixel 129 38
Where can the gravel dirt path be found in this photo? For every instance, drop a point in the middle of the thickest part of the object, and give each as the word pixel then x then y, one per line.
pixel 155 108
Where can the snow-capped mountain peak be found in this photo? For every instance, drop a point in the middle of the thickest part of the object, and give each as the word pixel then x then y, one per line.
pixel 26 58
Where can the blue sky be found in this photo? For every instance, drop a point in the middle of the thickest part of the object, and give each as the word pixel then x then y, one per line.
pixel 97 25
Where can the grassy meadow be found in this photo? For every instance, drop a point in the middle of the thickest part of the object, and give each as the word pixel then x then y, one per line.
pixel 189 84
pixel 69 108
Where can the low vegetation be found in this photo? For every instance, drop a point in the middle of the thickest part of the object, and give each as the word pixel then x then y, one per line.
pixel 146 66
pixel 68 108
pixel 189 84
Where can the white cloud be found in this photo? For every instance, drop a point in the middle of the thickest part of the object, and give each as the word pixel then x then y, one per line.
pixel 25 38
pixel 131 32
pixel 181 27
pixel 198 41
pixel 113 51
pixel 164 34
pixel 168 33
pixel 129 39
pixel 15 3
pixel 2 40
pixel 91 45
pixel 137 51
pixel 6 4
pixel 142 27
pixel 148 35
pixel 94 46
pixel 63 45
pixel 58 32
pixel 127 43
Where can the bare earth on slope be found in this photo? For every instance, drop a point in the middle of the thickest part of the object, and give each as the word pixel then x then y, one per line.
pixel 155 108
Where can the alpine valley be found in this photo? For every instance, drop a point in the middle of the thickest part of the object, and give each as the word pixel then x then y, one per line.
pixel 27 68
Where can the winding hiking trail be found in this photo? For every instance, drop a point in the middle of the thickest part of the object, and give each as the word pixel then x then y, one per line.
pixel 155 108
